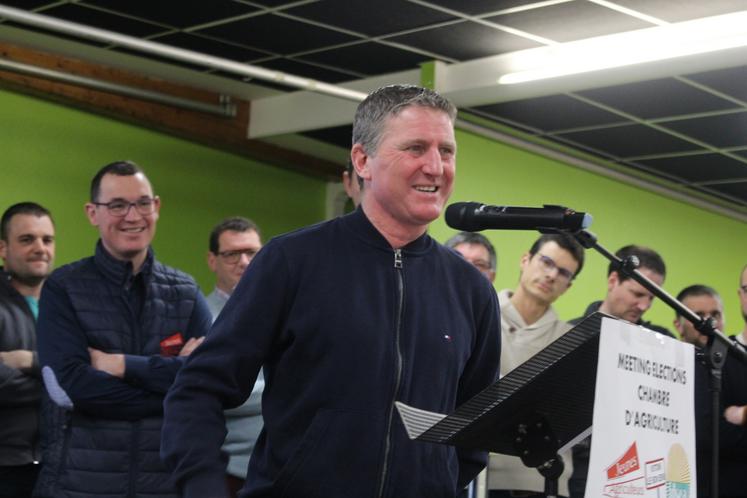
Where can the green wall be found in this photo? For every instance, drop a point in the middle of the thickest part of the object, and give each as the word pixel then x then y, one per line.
pixel 697 246
pixel 51 152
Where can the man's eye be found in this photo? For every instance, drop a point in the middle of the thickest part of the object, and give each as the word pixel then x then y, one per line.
pixel 116 206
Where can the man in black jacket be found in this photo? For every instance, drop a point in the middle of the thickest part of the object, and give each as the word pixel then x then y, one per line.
pixel 705 302
pixel 347 317
pixel 27 248
pixel 113 331
pixel 628 300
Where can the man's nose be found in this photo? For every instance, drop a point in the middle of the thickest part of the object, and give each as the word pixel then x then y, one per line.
pixel 433 163
pixel 644 304
pixel 38 245
pixel 132 213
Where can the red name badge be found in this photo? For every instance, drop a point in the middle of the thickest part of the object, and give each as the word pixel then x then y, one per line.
pixel 172 345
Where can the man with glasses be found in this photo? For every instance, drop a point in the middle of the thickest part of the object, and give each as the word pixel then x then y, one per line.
pixel 477 249
pixel 628 300
pixel 113 331
pixel 705 302
pixel 233 244
pixel 528 325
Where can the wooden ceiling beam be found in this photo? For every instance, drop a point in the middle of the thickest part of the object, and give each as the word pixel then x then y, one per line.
pixel 224 133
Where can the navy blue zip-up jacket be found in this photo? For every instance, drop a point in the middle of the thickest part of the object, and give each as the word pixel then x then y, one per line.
pixel 109 445
pixel 344 326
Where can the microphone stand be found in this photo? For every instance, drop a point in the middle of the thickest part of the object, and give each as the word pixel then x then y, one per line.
pixel 713 355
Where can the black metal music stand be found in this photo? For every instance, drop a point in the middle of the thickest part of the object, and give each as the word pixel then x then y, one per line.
pixel 535 410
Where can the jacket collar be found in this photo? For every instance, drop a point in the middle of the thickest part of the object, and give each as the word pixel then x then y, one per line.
pixel 120 272
pixel 361 226
pixel 656 328
pixel 5 287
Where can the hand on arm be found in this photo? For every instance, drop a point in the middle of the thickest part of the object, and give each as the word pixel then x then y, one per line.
pixel 191 345
pixel 63 347
pixel 20 359
pixel 156 373
pixel 736 415
pixel 111 363
pixel 114 363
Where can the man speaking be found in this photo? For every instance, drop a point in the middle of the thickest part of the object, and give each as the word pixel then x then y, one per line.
pixel 347 317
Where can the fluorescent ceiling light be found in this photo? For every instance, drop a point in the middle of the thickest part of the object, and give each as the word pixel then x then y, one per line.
pixel 699 36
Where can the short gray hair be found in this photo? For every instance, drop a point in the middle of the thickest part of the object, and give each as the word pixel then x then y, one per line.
pixel 474 238
pixel 389 101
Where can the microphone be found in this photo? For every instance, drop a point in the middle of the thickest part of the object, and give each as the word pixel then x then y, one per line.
pixel 473 217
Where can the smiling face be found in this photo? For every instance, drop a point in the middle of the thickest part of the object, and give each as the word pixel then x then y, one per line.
pixel 29 251
pixel 410 176
pixel 127 237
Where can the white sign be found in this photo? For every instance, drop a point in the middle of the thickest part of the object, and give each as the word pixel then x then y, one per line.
pixel 643 440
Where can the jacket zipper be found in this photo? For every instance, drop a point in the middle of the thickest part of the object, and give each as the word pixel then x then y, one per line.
pixel 134 435
pixel 398 326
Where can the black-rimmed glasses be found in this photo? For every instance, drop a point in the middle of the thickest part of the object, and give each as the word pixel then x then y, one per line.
pixel 233 257
pixel 120 207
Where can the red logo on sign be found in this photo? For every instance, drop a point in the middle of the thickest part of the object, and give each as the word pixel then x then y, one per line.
pixel 625 464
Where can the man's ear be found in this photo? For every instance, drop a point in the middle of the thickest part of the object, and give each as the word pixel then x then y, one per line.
pixel 613 280
pixel 524 261
pixel 3 249
pixel 360 161
pixel 90 209
pixel 212 261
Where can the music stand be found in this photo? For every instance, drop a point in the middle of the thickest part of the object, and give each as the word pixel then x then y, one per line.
pixel 540 408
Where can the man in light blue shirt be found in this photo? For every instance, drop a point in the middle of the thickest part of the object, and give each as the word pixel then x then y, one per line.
pixel 233 244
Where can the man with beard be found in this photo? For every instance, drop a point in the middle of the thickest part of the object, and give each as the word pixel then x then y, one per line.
pixel 705 302
pixel 27 247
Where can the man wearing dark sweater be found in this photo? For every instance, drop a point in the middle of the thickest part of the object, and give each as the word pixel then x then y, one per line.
pixel 113 331
pixel 27 246
pixel 705 302
pixel 628 300
pixel 347 317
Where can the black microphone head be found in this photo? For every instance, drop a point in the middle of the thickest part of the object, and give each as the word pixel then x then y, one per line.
pixel 461 216
pixel 577 221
